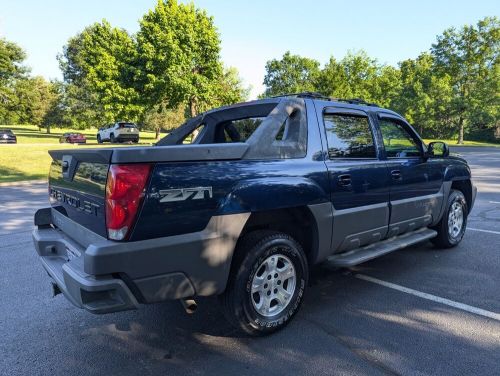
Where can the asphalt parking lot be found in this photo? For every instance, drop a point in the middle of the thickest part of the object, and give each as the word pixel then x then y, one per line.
pixel 418 311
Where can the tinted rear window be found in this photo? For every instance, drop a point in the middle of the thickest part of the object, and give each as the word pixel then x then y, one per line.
pixel 349 136
pixel 127 125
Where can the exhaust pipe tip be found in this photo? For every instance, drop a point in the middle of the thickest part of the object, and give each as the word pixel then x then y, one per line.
pixel 189 305
pixel 55 290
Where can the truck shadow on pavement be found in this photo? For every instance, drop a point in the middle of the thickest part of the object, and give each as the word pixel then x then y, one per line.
pixel 345 325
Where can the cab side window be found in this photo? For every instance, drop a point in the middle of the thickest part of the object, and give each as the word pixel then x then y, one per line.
pixel 398 142
pixel 349 136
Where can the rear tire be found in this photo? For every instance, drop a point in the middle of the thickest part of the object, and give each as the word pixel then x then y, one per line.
pixel 267 282
pixel 451 227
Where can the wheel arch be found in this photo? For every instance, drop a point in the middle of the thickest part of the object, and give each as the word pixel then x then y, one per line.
pixel 464 186
pixel 309 225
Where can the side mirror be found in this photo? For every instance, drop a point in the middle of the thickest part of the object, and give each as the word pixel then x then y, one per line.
pixel 438 149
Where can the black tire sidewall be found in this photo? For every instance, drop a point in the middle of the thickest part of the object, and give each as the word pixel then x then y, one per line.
pixel 262 251
pixel 456 196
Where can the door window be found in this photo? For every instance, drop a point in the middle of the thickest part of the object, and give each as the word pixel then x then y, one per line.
pixel 349 136
pixel 398 142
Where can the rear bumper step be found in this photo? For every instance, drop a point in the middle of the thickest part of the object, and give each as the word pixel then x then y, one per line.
pixel 360 255
pixel 101 294
pixel 103 276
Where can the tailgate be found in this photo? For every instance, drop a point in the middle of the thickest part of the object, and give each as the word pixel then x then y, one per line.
pixel 77 186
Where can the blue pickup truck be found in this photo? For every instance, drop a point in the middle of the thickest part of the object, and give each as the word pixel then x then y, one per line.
pixel 241 201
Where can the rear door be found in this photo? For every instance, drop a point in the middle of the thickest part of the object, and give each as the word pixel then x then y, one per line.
pixel 416 184
pixel 359 180
pixel 107 131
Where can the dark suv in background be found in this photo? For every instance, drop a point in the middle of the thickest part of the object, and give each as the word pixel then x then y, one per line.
pixel 7 137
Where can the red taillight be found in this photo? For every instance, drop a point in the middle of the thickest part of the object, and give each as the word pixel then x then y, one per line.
pixel 124 194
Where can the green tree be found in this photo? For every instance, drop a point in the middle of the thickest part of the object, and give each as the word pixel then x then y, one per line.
pixel 161 118
pixel 424 96
pixel 34 97
pixel 290 74
pixel 11 61
pixel 178 56
pixel 98 64
pixel 386 86
pixel 11 70
pixel 229 89
pixel 470 56
pixel 58 113
pixel 359 76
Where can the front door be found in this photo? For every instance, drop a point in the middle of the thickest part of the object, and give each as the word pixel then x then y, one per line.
pixel 359 180
pixel 416 184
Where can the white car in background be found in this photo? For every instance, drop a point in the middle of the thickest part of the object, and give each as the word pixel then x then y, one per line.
pixel 121 131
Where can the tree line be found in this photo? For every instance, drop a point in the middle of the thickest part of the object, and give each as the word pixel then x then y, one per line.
pixel 450 91
pixel 171 69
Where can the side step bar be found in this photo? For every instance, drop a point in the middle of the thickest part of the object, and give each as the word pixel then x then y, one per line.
pixel 362 254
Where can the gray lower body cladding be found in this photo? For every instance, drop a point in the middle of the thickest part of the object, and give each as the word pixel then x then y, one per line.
pixel 88 268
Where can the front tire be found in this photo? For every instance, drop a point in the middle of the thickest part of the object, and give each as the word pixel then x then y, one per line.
pixel 99 140
pixel 451 227
pixel 267 283
pixel 112 138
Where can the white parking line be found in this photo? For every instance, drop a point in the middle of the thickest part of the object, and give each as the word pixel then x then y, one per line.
pixel 481 230
pixel 434 298
pixel 494 202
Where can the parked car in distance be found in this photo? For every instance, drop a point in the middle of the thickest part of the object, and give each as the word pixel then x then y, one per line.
pixel 7 137
pixel 121 131
pixel 73 138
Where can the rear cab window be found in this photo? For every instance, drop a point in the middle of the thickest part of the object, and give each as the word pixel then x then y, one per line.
pixel 349 136
pixel 276 129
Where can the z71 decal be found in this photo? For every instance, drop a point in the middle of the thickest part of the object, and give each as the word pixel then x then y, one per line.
pixel 182 194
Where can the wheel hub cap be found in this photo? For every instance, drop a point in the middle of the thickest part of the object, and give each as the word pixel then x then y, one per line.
pixel 455 219
pixel 273 285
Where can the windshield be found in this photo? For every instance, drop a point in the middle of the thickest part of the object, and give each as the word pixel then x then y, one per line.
pixel 6 131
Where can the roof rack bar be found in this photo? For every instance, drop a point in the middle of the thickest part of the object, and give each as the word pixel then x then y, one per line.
pixel 314 95
pixel 356 101
pixel 304 94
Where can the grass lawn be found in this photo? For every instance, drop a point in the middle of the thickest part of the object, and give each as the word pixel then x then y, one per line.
pixel 466 143
pixel 29 158
pixel 29 134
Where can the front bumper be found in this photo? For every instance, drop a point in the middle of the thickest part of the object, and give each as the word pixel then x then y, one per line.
pixel 104 276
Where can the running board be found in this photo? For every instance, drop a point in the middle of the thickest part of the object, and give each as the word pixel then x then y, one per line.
pixel 359 255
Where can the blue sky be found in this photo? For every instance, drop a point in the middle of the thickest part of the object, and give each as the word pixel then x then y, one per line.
pixel 253 32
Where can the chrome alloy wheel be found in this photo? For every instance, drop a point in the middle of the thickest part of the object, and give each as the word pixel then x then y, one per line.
pixel 273 285
pixel 455 219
